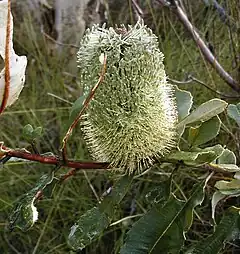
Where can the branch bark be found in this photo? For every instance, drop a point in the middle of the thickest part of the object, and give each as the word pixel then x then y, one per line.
pixel 53 160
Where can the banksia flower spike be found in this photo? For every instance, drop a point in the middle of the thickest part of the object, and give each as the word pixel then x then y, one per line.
pixel 131 120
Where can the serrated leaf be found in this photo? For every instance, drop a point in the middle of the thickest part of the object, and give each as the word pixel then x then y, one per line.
pixel 184 102
pixel 234 112
pixel 161 230
pixel 88 228
pixel 91 224
pixel 204 133
pixel 76 108
pixel 205 112
pixel 24 213
pixel 227 157
pixel 224 231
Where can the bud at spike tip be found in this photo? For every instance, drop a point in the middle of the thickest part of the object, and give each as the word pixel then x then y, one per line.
pixel 132 118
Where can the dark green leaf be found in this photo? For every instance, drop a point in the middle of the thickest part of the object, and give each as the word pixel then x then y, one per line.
pixel 90 225
pixel 225 231
pixel 161 230
pixel 24 213
pixel 117 193
pixel 160 193
pixel 88 228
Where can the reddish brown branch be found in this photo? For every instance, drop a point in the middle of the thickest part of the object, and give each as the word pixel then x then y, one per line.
pixel 85 105
pixel 7 65
pixel 54 160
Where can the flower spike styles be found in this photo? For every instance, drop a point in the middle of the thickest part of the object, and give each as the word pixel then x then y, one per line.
pixel 132 118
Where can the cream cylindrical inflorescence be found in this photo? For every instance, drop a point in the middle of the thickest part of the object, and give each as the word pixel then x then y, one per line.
pixel 131 120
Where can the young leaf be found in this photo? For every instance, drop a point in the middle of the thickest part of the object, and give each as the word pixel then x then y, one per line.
pixel 24 213
pixel 206 132
pixel 225 231
pixel 234 112
pixel 162 229
pixel 184 101
pixel 28 132
pixel 91 225
pixel 205 112
pixel 37 132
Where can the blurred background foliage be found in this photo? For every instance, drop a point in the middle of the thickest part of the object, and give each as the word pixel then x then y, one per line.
pixel 48 32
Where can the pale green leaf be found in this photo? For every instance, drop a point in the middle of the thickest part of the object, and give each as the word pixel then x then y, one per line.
pixel 204 133
pixel 234 112
pixel 28 132
pixel 227 167
pixel 217 196
pixel 198 157
pixel 205 111
pixel 227 157
pixel 184 102
pixel 37 132
pixel 228 185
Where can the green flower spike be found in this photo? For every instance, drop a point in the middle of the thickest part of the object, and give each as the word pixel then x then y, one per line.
pixel 131 120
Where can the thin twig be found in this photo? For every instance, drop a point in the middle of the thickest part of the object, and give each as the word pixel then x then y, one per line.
pixel 59 43
pixel 138 11
pixel 7 58
pixel 193 79
pixel 175 7
pixel 85 105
